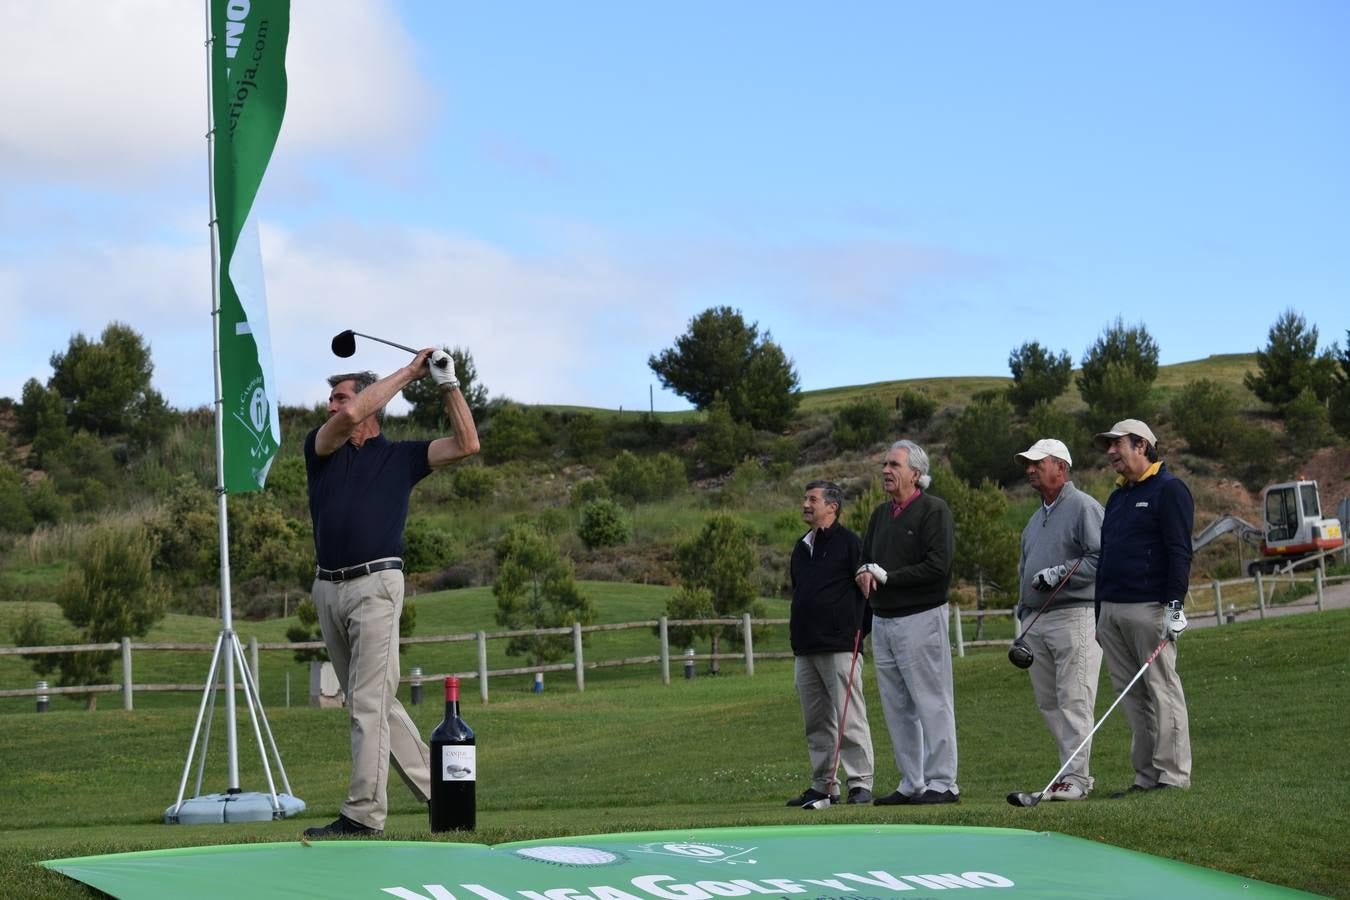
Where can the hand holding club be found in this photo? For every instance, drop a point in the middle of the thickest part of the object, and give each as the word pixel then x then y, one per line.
pixel 1176 619
pixel 443 370
pixel 1046 579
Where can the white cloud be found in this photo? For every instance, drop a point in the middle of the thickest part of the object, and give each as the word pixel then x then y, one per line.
pixel 113 92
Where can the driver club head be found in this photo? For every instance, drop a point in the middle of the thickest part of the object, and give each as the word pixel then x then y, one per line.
pixel 1020 655
pixel 1024 799
pixel 344 343
pixel 822 803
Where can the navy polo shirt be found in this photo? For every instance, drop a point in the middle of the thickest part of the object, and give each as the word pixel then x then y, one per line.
pixel 358 498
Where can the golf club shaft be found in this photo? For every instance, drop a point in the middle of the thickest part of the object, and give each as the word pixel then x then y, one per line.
pixel 371 337
pixel 1064 768
pixel 843 717
pixel 1048 600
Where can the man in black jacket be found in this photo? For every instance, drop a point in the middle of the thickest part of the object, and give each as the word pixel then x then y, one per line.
pixel 829 620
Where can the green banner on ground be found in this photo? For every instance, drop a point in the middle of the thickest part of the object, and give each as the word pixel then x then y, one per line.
pixel 822 861
pixel 248 100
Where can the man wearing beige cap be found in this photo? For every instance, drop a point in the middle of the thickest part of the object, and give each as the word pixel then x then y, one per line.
pixel 1057 573
pixel 1142 578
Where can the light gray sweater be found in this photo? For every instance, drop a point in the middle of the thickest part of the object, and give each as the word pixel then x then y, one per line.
pixel 1058 535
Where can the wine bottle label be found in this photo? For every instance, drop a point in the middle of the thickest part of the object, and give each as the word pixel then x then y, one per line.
pixel 459 763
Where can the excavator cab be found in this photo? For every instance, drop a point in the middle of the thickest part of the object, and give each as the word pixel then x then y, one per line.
pixel 1294 524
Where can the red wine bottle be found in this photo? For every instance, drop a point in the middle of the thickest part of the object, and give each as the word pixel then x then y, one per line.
pixel 454 768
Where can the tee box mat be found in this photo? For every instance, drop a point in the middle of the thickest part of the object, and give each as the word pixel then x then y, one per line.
pixel 806 862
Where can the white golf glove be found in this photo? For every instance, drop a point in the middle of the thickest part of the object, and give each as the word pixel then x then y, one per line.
pixel 443 370
pixel 1176 619
pixel 875 570
pixel 1047 578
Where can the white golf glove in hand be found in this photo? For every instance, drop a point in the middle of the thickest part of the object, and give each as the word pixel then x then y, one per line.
pixel 875 570
pixel 1046 579
pixel 1176 619
pixel 443 370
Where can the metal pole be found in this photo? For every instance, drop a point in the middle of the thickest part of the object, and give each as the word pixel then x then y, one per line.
pixel 415 686
pixel 43 701
pixel 689 664
pixel 664 629
pixel 482 667
pixel 1218 602
pixel 126 673
pixel 749 645
pixel 576 651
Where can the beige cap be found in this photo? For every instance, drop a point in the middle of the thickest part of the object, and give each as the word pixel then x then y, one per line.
pixel 1043 448
pixel 1124 427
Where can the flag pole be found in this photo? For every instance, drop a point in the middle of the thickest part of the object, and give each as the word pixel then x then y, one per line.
pixel 234 805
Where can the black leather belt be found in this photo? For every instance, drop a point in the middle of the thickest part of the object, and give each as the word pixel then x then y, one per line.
pixel 351 572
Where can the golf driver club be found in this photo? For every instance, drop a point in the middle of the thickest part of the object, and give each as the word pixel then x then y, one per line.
pixel 1022 798
pixel 1019 654
pixel 824 802
pixel 344 344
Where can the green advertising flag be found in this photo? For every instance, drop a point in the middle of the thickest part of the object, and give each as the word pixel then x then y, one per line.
pixel 248 100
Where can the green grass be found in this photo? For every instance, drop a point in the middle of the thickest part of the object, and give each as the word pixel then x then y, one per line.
pixel 1271 798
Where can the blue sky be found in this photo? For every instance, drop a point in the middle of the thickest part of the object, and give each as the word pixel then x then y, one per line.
pixel 894 189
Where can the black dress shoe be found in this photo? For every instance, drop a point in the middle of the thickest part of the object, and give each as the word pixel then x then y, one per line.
pixel 811 795
pixel 930 798
pixel 859 795
pixel 894 798
pixel 341 827
pixel 1130 791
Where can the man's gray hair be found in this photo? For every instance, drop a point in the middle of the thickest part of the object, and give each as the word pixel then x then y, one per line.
pixel 362 381
pixel 830 493
pixel 918 460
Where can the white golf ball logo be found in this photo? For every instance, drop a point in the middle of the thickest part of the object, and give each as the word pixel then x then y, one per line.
pixel 570 856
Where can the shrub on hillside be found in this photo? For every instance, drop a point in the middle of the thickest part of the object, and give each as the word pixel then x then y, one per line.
pixel 1306 422
pixel 985 443
pixel 642 479
pixel 1117 374
pixel 1290 363
pixel 1204 412
pixel 603 524
pixel 587 436
pixel 916 407
pixel 861 424
pixel 1251 454
pixel 1046 421
pixel 15 515
pixel 427 548
pixel 473 483
pixel 588 489
pixel 724 441
pixel 1039 376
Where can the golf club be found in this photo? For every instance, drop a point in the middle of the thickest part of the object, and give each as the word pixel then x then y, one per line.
pixel 824 802
pixel 1022 798
pixel 344 344
pixel 1019 654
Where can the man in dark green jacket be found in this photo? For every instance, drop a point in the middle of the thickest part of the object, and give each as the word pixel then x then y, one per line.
pixel 907 567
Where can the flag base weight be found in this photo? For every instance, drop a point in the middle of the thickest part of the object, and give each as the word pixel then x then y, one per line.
pixel 245 806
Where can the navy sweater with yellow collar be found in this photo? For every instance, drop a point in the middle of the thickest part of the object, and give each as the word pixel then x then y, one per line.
pixel 1146 540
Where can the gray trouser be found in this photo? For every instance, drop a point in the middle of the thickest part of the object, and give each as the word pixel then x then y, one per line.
pixel 1064 680
pixel 913 659
pixel 822 684
pixel 1155 707
pixel 359 620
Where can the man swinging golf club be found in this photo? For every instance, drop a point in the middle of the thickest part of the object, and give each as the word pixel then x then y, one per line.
pixel 1057 573
pixel 1142 578
pixel 829 619
pixel 359 485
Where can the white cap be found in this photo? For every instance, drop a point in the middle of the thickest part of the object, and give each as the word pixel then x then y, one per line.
pixel 1122 428
pixel 1043 448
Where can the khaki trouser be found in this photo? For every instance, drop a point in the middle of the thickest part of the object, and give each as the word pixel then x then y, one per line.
pixel 359 620
pixel 1155 707
pixel 913 660
pixel 822 684
pixel 1064 680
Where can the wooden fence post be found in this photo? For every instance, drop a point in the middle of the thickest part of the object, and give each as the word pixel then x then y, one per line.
pixel 126 673
pixel 253 662
pixel 1317 582
pixel 664 629
pixel 749 645
pixel 956 622
pixel 482 667
pixel 576 651
pixel 1218 602
pixel 1260 595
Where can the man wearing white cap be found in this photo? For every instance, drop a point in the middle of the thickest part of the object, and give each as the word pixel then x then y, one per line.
pixel 1142 578
pixel 1057 573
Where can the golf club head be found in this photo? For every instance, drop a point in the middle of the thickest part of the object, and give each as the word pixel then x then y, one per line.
pixel 822 803
pixel 1024 799
pixel 1020 655
pixel 344 344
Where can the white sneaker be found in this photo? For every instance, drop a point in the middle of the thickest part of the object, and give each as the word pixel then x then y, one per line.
pixel 1065 790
